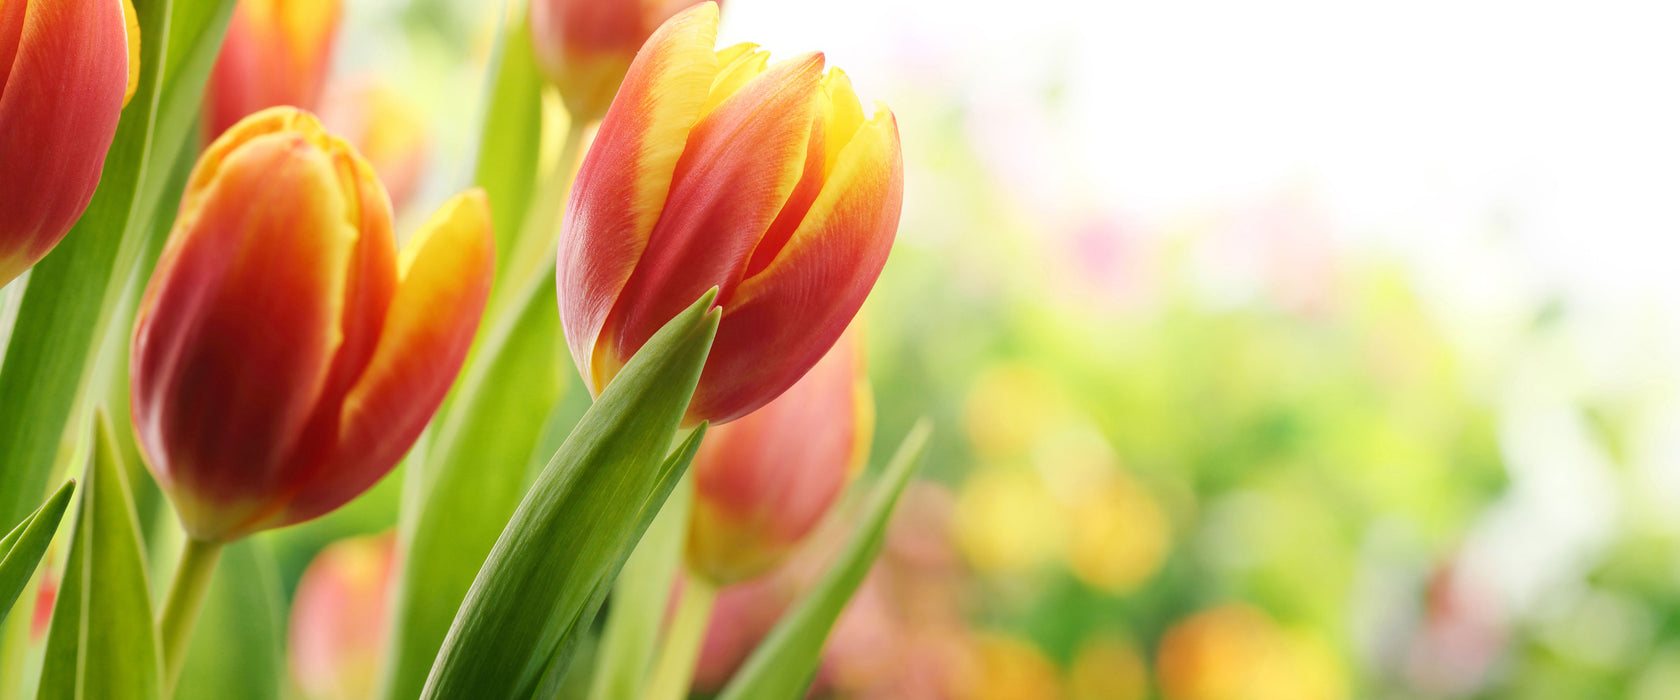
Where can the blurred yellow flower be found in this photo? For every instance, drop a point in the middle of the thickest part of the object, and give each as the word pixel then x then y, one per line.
pixel 1011 407
pixel 1108 668
pixel 1007 520
pixel 1235 652
pixel 1118 536
pixel 1011 669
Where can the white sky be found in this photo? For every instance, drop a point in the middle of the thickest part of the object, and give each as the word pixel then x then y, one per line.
pixel 1416 124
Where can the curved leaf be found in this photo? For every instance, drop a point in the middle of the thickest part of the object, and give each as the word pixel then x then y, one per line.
pixel 557 558
pixel 21 549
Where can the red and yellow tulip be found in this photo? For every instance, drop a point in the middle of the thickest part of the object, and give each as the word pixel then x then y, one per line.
pixel 67 67
pixel 285 356
pixel 717 169
pixel 277 52
pixel 763 482
pixel 585 46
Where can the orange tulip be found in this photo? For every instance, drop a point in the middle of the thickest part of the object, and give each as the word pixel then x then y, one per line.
pixel 337 633
pixel 585 46
pixel 763 482
pixel 67 67
pixel 276 53
pixel 714 169
pixel 285 357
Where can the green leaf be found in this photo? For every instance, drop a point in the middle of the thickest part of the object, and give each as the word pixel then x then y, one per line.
pixel 557 558
pixel 784 663
pixel 639 601
pixel 102 644
pixel 455 507
pixel 508 159
pixel 67 307
pixel 22 548
pixel 237 647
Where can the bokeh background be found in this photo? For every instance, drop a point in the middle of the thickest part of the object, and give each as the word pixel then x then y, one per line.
pixel 1293 350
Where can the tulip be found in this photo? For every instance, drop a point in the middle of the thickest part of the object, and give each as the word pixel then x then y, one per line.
pixel 337 632
pixel 585 46
pixel 714 169
pixel 762 483
pixel 67 67
pixel 276 53
pixel 284 357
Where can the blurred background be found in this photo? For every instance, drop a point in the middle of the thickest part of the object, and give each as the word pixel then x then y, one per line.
pixel 1295 350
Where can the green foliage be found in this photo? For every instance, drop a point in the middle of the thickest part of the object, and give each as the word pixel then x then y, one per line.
pixel 237 648
pixel 558 557
pixel 101 643
pixel 22 548
pixel 69 303
pixel 783 664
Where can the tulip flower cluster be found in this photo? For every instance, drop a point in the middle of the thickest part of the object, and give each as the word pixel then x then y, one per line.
pixel 285 354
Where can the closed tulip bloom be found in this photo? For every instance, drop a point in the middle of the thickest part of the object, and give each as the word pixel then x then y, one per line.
pixel 67 67
pixel 285 356
pixel 762 483
pixel 277 52
pixel 717 169
pixel 585 46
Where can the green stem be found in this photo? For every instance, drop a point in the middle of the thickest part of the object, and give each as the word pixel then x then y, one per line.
pixel 681 651
pixel 538 233
pixel 180 609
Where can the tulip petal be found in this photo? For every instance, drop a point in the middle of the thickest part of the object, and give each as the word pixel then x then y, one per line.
pixel 739 65
pixel 445 282
pixel 742 163
pixel 64 67
pixel 238 330
pixel 131 27
pixel 621 188
pixel 781 321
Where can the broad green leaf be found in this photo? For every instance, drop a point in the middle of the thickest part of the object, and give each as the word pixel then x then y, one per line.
pixel 101 643
pixel 474 474
pixel 557 558
pixel 67 307
pixel 784 663
pixel 22 548
pixel 237 648
pixel 639 600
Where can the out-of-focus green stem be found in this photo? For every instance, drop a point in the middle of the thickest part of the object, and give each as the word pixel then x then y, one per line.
pixel 675 671
pixel 180 609
pixel 541 227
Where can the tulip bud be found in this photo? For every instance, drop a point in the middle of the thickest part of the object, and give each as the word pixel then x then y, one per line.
pixel 276 53
pixel 337 632
pixel 714 169
pixel 284 357
pixel 763 482
pixel 585 46
pixel 67 67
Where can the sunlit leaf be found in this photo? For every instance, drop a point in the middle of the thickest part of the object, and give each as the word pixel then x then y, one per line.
pixel 784 663
pixel 638 604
